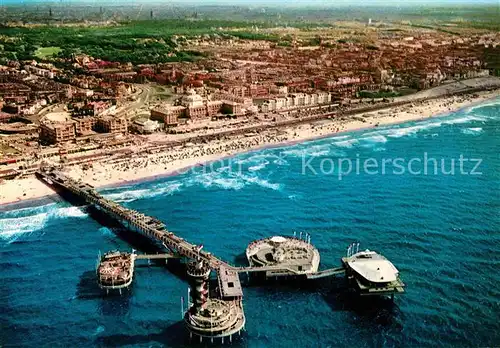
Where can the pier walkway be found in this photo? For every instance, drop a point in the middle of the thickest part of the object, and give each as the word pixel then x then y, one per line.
pixel 155 256
pixel 156 230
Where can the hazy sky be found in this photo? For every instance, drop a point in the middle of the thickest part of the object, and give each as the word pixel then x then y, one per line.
pixel 331 3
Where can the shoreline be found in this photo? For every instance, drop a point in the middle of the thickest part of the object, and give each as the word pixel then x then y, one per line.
pixel 27 191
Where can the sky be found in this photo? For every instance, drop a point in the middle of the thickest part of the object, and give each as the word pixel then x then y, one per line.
pixel 331 3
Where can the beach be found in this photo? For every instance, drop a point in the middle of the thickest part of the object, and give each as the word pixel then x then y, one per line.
pixel 179 159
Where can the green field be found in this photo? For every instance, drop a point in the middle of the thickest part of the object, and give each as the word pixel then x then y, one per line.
pixel 137 42
pixel 44 52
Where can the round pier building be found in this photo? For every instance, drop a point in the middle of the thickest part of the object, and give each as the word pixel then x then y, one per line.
pixel 282 256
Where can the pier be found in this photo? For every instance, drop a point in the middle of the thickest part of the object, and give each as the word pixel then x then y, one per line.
pixel 221 316
pixel 150 226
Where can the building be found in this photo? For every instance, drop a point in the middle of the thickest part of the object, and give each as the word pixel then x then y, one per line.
pixel 213 107
pixel 295 100
pixel 195 107
pixel 230 107
pixel 39 71
pixel 169 115
pixel 110 124
pixel 54 133
pixel 85 125
pixel 94 108
pixel 145 126
pixel 5 117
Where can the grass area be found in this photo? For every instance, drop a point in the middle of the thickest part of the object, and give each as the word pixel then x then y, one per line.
pixel 137 42
pixel 163 96
pixel 44 52
pixel 7 150
pixel 160 89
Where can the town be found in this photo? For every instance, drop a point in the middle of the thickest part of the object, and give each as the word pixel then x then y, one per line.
pixel 75 109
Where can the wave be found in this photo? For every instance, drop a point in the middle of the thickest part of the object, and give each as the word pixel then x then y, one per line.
pixel 308 151
pixel 29 210
pixel 229 180
pixel 255 158
pixel 472 131
pixel 412 130
pixel 376 138
pixel 163 189
pixel 318 150
pixel 214 179
pixel 295 152
pixel 70 212
pixel 340 137
pixel 128 196
pixel 401 131
pixel 346 143
pixel 258 167
pixel 12 228
pixel 465 119
pixel 495 102
pixel 313 151
pixel 262 182
pixel 20 223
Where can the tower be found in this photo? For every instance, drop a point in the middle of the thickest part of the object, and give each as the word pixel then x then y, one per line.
pixel 198 272
pixel 213 318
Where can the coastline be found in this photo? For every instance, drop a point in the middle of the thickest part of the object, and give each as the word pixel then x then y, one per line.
pixel 150 167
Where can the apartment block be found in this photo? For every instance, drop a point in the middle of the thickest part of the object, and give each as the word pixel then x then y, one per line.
pixel 54 133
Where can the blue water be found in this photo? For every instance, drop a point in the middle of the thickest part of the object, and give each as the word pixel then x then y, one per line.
pixel 441 231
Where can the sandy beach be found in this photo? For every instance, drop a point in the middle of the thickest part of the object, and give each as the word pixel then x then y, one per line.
pixel 176 160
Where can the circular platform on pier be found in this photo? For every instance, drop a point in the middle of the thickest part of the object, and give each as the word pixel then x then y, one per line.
pixel 217 319
pixel 293 254
pixel 115 270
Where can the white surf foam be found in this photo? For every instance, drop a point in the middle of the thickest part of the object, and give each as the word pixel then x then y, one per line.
pixel 465 119
pixel 12 228
pixel 318 150
pixel 472 131
pixel 221 180
pixel 229 179
pixel 70 212
pixel 162 189
pixel 32 219
pixel 29 210
pixel 308 151
pixel 495 102
pixel 412 130
pixel 128 196
pixel 346 143
pixel 257 167
pixel 261 182
pixel 376 138
pixel 298 152
pixel 340 137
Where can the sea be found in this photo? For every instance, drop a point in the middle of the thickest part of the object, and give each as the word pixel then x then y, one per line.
pixel 424 194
